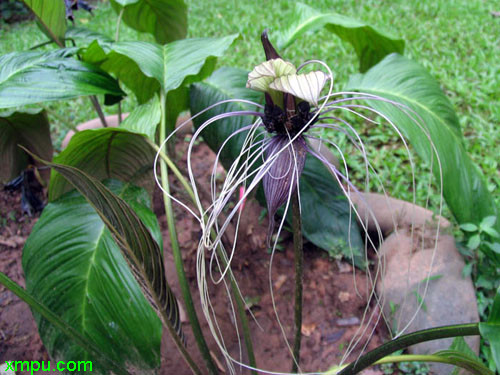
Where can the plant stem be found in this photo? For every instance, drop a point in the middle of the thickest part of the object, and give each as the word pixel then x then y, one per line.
pixel 299 260
pixel 64 327
pixel 118 23
pixel 416 358
pixel 117 36
pixel 186 293
pixel 240 304
pixel 407 358
pixel 403 342
pixel 120 113
pixel 98 109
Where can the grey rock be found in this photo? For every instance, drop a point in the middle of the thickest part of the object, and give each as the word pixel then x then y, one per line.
pixel 378 211
pixel 448 297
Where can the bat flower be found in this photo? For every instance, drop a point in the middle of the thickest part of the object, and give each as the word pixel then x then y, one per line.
pixel 298 107
pixel 287 116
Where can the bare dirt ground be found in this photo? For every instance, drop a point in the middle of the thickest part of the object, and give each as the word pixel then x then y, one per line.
pixel 333 306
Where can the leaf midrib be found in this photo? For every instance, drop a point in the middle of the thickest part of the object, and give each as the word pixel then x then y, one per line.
pixel 91 266
pixel 89 271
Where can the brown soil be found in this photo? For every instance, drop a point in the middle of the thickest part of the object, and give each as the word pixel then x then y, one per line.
pixel 333 307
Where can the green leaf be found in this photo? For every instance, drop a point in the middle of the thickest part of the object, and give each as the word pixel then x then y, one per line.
pixel 371 45
pixel 106 153
pixel 474 242
pixel 495 246
pixel 29 128
pixel 177 102
pixel 462 359
pixel 325 218
pixel 488 222
pixel 147 67
pixel 138 247
pixel 75 268
pixel 166 20
pixel 51 16
pixel 490 330
pixel 82 36
pixel 491 232
pixel 144 118
pixel 123 67
pixel 223 84
pixel 404 81
pixel 328 233
pixel 459 345
pixel 34 77
pixel 55 320
pixel 469 227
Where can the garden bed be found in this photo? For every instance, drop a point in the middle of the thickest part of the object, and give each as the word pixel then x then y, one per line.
pixel 333 305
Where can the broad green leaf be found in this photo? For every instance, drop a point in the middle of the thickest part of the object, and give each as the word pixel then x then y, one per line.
pixel 461 349
pixel 490 330
pixel 138 247
pixel 51 16
pixel 166 20
pixel 462 360
pixel 75 268
pixel 55 320
pixel 34 77
pixel 223 84
pixel 124 67
pixel 371 45
pixel 404 81
pixel 460 345
pixel 324 225
pixel 106 153
pixel 177 102
pixel 81 36
pixel 144 118
pixel 326 220
pixel 29 128
pixel 146 67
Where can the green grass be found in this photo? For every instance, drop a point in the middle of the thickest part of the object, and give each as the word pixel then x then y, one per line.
pixel 457 41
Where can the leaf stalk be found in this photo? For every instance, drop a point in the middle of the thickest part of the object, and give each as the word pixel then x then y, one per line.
pixel 299 276
pixel 179 265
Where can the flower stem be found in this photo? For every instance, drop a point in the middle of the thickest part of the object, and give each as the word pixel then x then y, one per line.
pixel 240 304
pixel 299 259
pixel 407 340
pixel 186 293
pixel 409 358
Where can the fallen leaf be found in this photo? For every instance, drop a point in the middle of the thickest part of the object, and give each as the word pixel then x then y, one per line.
pixel 308 329
pixel 344 267
pixel 281 280
pixel 344 296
